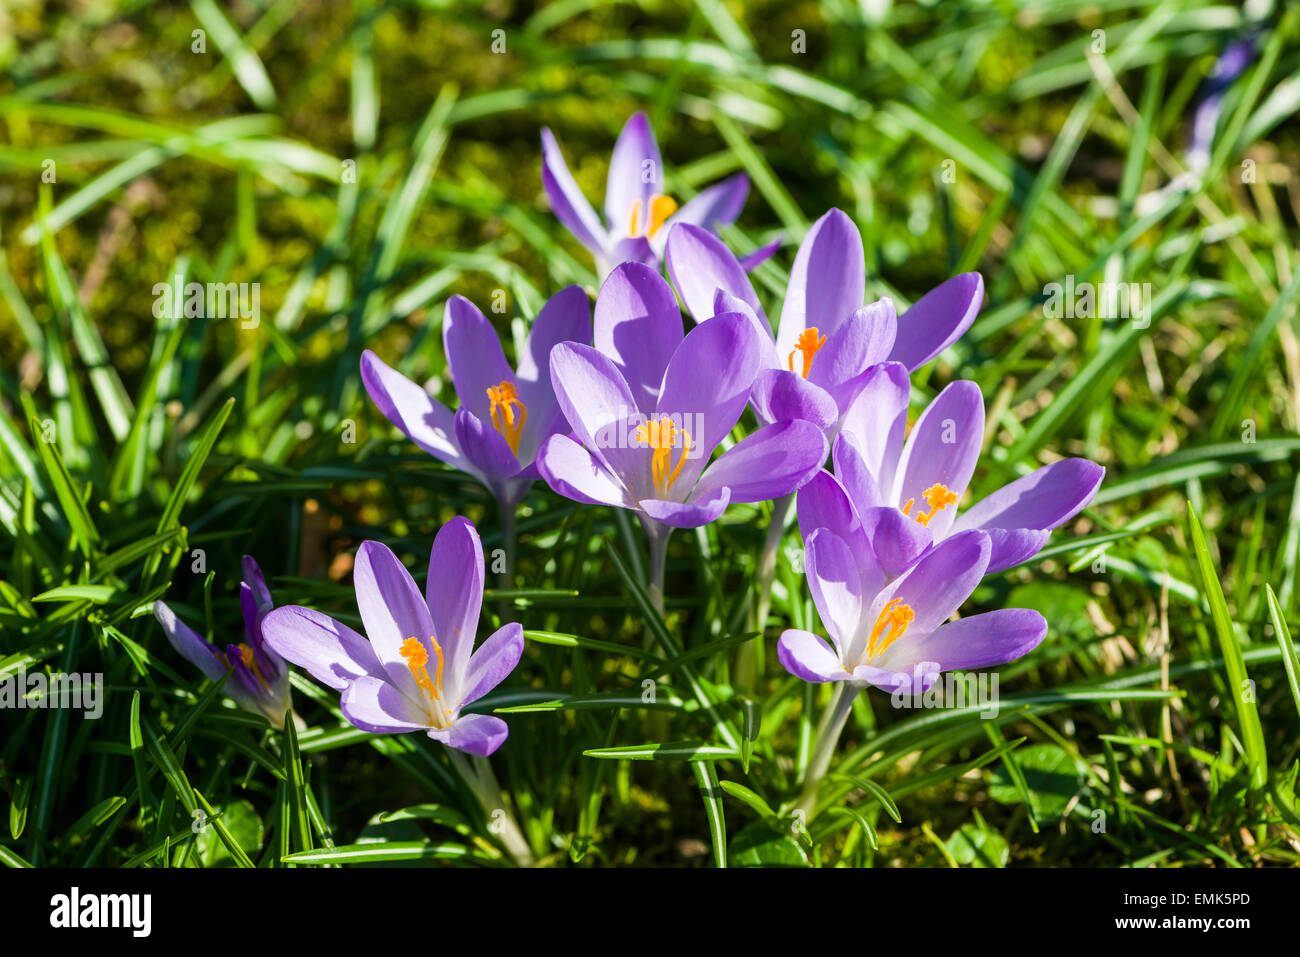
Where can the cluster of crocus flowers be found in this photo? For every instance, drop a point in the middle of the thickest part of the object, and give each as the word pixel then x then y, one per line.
pixel 648 406
pixel 416 669
pixel 259 680
pixel 639 215
pixel 827 343
pixel 505 414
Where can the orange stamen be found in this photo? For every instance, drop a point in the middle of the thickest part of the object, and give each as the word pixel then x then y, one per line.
pixel 661 207
pixel 505 399
pixel 808 343
pixel 412 651
pixel 896 616
pixel 937 496
pixel 250 662
pixel 661 436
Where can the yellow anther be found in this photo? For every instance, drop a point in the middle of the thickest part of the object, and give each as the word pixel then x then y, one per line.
pixel 809 342
pixel 505 399
pixel 250 662
pixel 937 496
pixel 896 616
pixel 417 659
pixel 661 207
pixel 661 436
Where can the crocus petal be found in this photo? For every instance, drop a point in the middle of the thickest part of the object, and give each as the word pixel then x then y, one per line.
pixel 376 706
pixel 779 394
pixel 707 383
pixel 1045 498
pixel 942 449
pixel 638 326
pixel 862 341
pixel 492 661
pixel 938 583
pixel 474 355
pixel 827 281
pixel 566 317
pixel 806 656
pixel 897 540
pixel 938 319
pixel 699 264
pixel 761 255
pixel 453 594
pixel 718 205
pixel 700 510
pixel 1011 546
pixel 635 173
pixel 252 574
pixel 824 503
pixel 877 419
pixel 329 650
pixel 774 461
pixel 979 641
pixel 630 249
pixel 569 205
pixel 485 447
pixel 190 645
pixel 599 407
pixel 916 681
pixel 425 421
pixel 392 610
pixel 573 472
pixel 479 734
pixel 836 586
pixel 853 473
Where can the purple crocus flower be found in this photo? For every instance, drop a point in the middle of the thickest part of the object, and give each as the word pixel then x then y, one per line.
pixel 827 341
pixel 260 681
pixel 897 636
pixel 505 415
pixel 1232 62
pixel 638 214
pixel 901 496
pixel 419 669
pixel 648 406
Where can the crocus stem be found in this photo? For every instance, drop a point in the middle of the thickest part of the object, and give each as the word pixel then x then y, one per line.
pixel 505 577
pixel 483 783
pixel 828 736
pixel 749 657
pixel 658 535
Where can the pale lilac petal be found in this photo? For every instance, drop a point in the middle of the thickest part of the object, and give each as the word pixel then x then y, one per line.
pixel 836 585
pixel 700 264
pixel 252 574
pixel 573 472
pixel 493 661
pixel 453 594
pixel 635 173
pixel 938 319
pixel 824 503
pixel 392 610
pixel 853 473
pixel 328 650
pixel 485 447
pixel 897 540
pixel 806 656
pixel 863 340
pixel 942 449
pixel 566 317
pixel 629 249
pixel 938 583
pixel 979 641
pixel 474 355
pixel 376 706
pixel 1011 546
pixel 569 205
pixel 916 681
pixel 424 420
pixel 761 255
pixel 774 461
pixel 638 327
pixel 706 386
pixel 1045 498
pixel 700 510
pixel 778 395
pixel 827 281
pixel 190 645
pixel 479 734
pixel 877 419
pixel 599 407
